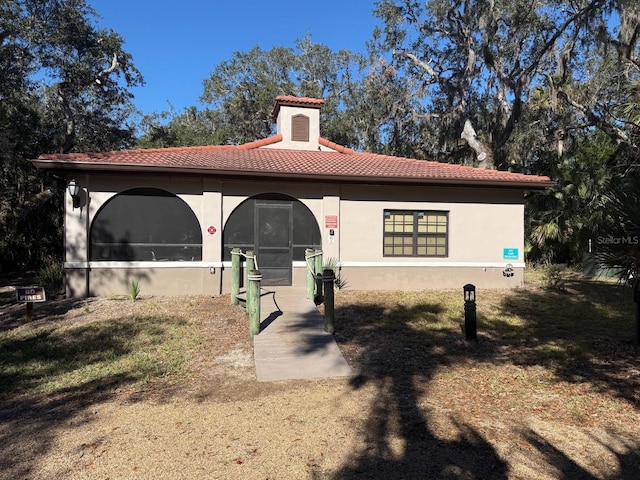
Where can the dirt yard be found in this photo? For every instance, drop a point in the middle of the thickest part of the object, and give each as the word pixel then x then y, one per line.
pixel 436 407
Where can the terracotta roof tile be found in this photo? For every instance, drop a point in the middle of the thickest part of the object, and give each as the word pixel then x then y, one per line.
pixel 261 143
pixel 291 100
pixel 296 101
pixel 334 146
pixel 250 160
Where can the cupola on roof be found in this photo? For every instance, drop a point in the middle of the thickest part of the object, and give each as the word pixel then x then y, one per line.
pixel 296 152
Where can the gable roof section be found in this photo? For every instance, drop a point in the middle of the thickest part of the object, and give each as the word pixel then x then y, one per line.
pixel 250 160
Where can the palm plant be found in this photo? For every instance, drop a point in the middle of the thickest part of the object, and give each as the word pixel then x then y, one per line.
pixel 618 242
pixel 562 220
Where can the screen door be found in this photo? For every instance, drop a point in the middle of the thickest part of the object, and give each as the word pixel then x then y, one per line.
pixel 273 242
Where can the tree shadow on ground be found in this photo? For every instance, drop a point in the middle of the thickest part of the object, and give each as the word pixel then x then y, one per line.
pixel 399 441
pixel 39 365
pixel 13 315
pixel 28 428
pixel 399 360
pixel 583 334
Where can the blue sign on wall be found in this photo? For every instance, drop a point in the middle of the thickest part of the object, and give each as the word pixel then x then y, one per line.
pixel 510 253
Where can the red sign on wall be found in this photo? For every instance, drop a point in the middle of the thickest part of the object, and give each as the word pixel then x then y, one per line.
pixel 330 221
pixel 211 230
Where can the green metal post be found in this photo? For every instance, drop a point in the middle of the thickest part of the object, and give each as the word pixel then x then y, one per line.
pixel 235 275
pixel 310 266
pixel 327 279
pixel 253 301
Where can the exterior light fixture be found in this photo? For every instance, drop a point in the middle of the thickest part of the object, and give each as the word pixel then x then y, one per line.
pixel 74 192
pixel 470 321
pixel 469 293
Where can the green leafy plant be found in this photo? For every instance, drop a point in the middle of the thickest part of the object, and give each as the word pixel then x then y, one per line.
pixel 134 289
pixel 554 277
pixel 51 277
pixel 332 263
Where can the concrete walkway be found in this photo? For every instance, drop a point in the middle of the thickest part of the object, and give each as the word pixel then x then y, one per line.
pixel 292 343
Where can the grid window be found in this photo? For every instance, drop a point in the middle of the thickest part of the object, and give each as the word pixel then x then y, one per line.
pixel 415 233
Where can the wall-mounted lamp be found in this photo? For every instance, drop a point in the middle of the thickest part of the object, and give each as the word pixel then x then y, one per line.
pixel 74 192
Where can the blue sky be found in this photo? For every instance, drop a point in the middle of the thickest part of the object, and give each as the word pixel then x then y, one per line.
pixel 177 44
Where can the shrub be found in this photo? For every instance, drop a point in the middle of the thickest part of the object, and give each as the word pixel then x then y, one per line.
pixel 51 277
pixel 554 277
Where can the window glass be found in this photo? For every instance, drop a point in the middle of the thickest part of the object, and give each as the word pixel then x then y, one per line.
pixel 146 224
pixel 415 234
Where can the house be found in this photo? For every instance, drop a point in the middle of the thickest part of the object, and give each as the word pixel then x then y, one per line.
pixel 169 217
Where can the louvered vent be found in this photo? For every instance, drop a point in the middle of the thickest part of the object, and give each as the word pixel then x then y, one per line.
pixel 300 128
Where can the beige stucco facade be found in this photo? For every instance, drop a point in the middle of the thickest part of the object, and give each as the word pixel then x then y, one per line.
pixel 483 222
pixel 343 199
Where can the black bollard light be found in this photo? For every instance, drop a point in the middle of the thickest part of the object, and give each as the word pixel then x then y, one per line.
pixel 470 328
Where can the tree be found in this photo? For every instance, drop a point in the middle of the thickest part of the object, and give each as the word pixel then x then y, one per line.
pixel 242 90
pixel 619 245
pixel 87 76
pixel 192 127
pixel 362 112
pixel 561 221
pixel 64 85
pixel 380 120
pixel 476 64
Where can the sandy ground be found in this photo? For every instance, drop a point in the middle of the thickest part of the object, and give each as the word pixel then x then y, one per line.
pixel 463 421
pixel 314 429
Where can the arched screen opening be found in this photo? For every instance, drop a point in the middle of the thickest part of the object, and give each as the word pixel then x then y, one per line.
pixel 241 229
pixel 145 224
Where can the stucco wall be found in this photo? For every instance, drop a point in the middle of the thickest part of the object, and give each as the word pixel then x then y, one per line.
pixel 154 281
pixel 283 126
pixel 482 223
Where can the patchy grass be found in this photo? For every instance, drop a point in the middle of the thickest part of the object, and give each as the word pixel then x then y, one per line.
pixel 579 340
pixel 550 389
pixel 47 357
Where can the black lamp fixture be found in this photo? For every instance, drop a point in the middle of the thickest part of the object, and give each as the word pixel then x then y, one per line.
pixel 74 192
pixel 469 293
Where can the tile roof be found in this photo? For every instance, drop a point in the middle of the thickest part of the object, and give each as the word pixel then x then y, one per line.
pixel 249 159
pixel 296 102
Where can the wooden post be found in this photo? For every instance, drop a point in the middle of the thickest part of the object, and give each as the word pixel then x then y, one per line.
pixel 253 301
pixel 327 279
pixel 310 267
pixel 29 312
pixel 318 273
pixel 235 275
pixel 248 266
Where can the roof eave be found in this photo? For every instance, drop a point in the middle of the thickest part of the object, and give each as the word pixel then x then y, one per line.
pixel 386 179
